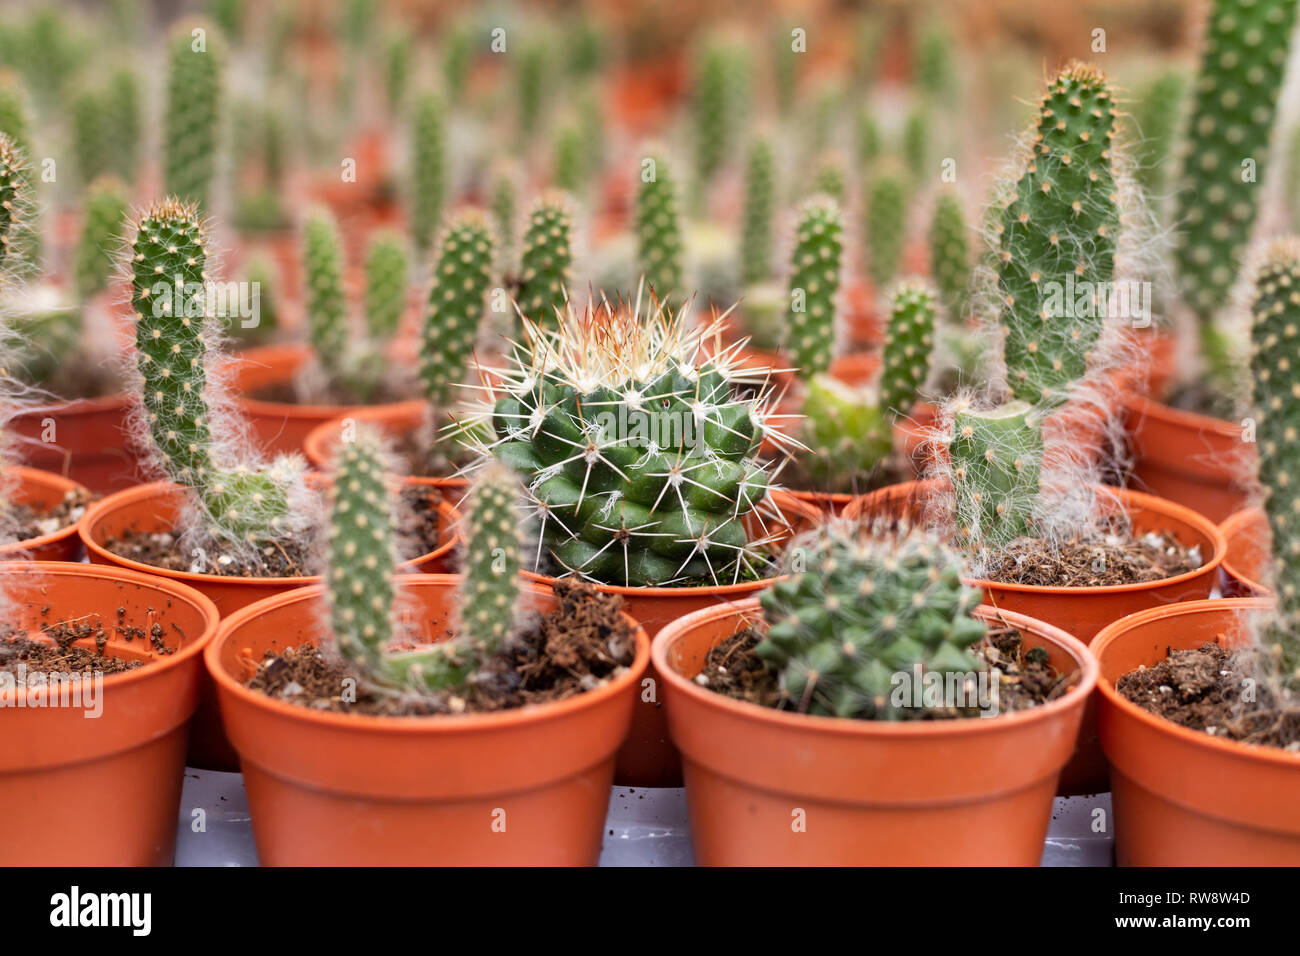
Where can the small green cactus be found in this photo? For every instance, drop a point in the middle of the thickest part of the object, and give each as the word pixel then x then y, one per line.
pixel 261 279
pixel 429 162
pixel 457 57
pixel 532 87
pixel 387 269
pixel 909 342
pixel 950 261
pixel 14 201
pixel 568 166
pixel 857 609
pixel 191 144
pixel 867 138
pixel 713 110
pixel 88 133
pixel 397 72
pixel 123 126
pixel 933 67
pixel 325 304
pixel 1227 155
pixel 886 212
pixel 845 431
pixel 101 236
pixel 461 277
pixel 505 210
pixel 760 209
pixel 815 284
pixel 831 178
pixel 547 259
pixel 916 142
pixel 659 228
pixel 1155 116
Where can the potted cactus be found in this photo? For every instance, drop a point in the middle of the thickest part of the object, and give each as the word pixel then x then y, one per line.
pixel 1212 688
pixel 808 739
pixel 480 748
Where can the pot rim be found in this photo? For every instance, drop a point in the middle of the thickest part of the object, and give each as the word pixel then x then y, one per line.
pixel 847 726
pixel 36 476
pixel 173 589
pixel 74 406
pixel 1229 526
pixel 1150 408
pixel 314 445
pixel 266 356
pixel 1117 630
pixel 446 512
pixel 1132 498
pixel 429 725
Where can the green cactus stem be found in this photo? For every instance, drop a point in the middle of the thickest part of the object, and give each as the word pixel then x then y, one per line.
pixel 569 167
pixel 429 162
pixel 909 342
pixel 659 228
pixel 457 297
pixel 191 146
pixel 547 259
pixel 934 71
pixel 856 610
pixel 916 143
pixel 996 460
pixel 886 212
pixel 101 236
pixel 950 261
pixel 845 431
pixel 1155 116
pixel 123 126
pixel 14 186
pixel 759 214
pixel 326 305
pixel 387 269
pixel 397 72
pixel 815 284
pixel 831 178
pixel 866 138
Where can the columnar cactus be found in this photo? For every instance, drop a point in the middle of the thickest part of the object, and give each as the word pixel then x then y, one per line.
pixel 659 228
pixel 950 262
pixel 461 277
pixel 568 164
pixel 101 236
pixel 13 202
pixel 1156 110
pixel 531 87
pixel 856 609
pixel 638 452
pixel 122 126
pixel 429 162
pixel 387 268
pixel 326 305
pixel 397 72
pixel 546 261
pixel 1227 154
pixel 886 212
pixel 867 138
pixel 1058 231
pixel 909 342
pixel 191 144
pixel 815 284
pixel 934 70
pixel 760 208
pixel 713 111
pixel 916 142
pixel 505 193
pixel 88 134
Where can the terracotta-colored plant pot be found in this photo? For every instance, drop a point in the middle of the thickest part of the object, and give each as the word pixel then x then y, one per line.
pixel 861 315
pixel 156 507
pixel 279 427
pixel 396 420
pixel 88 442
pixel 648 757
pixel 1194 460
pixel 765 788
pixel 1249 543
pixel 120 773
pixel 1156 350
pixel 1182 797
pixel 1083 612
pixel 44 490
pixel 518 787
pixel 914 438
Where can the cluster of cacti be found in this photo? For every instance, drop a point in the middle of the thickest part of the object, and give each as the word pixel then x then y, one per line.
pixel 462 274
pixel 1057 231
pixel 1226 155
pixel 361 588
pixel 856 609
pixel 636 447
pixel 191 128
pixel 659 228
pixel 546 260
pixel 429 165
pixel 950 261
pixel 815 285
pixel 886 219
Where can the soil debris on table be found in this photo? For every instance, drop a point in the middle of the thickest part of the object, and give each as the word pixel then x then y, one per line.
pixel 34 522
pixel 1202 689
pixel 580 646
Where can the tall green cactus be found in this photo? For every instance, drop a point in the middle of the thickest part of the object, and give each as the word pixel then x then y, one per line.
pixel 397 69
pixel 547 259
pixel 659 228
pixel 191 142
pixel 387 268
pixel 532 87
pixel 933 68
pixel 856 609
pixel 123 124
pixel 14 201
pixel 1058 232
pixel 505 208
pixel 886 216
pixel 326 305
pixel 916 142
pixel 1155 116
pixel 461 277
pixel 101 236
pixel 950 261
pixel 568 164
pixel 866 138
pixel 88 120
pixel 713 110
pixel 760 210
pixel 429 162
pixel 909 342
pixel 1227 155
pixel 815 285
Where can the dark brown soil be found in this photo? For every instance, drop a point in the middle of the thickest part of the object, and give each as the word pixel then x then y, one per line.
pixel 1202 399
pixel 1080 563
pixel 34 522
pixel 580 646
pixel 417 535
pixel 83 379
pixel 55 654
pixel 733 669
pixel 1202 689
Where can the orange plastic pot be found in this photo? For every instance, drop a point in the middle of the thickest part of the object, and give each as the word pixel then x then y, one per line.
pixel 395 420
pixel 915 438
pixel 156 507
pixel 43 490
pixel 1249 543
pixel 1157 348
pixel 1182 797
pixel 1194 460
pixel 765 787
pixel 88 442
pixel 862 318
pixel 519 787
pixel 648 757
pixel 60 764
pixel 1083 612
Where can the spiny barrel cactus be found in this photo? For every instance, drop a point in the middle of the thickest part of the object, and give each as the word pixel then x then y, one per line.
pixel 387 268
pixel 101 235
pixel 429 163
pixel 168 264
pixel 1227 153
pixel 637 450
pixel 659 228
pixel 950 262
pixel 760 209
pixel 886 215
pixel 457 297
pixel 191 144
pixel 1057 232
pixel 546 260
pixel 815 284
pixel 1275 333
pixel 858 609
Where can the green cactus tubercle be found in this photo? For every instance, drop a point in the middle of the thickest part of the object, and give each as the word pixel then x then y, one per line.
pixel 462 275
pixel 858 610
pixel 814 285
pixel 546 260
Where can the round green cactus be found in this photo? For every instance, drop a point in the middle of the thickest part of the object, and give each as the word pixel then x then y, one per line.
pixel 909 342
pixel 950 261
pixel 857 610
pixel 387 268
pixel 886 214
pixel 101 236
pixel 659 228
pixel 191 146
pixel 429 162
pixel 461 278
pixel 546 261
pixel 815 284
pixel 760 209
pixel 637 450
